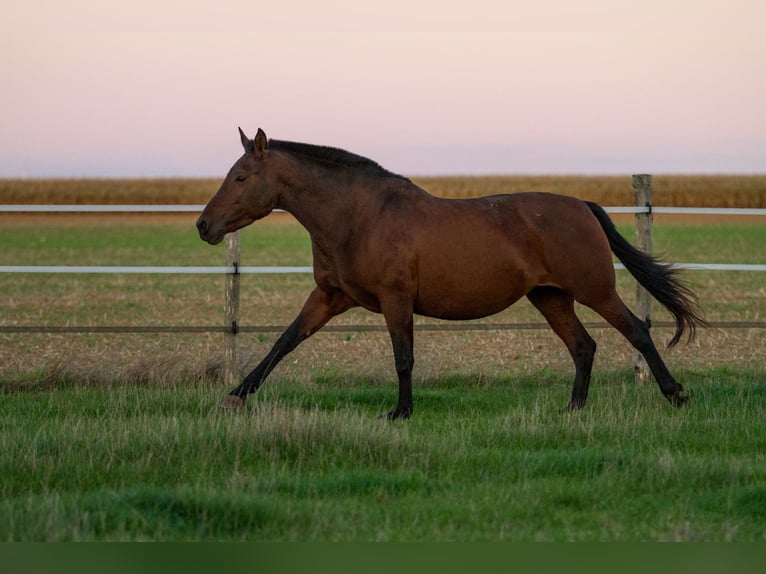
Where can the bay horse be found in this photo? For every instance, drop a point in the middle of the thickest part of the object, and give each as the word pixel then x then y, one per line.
pixel 382 243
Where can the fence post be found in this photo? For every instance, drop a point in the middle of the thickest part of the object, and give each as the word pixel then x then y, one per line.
pixel 231 312
pixel 642 195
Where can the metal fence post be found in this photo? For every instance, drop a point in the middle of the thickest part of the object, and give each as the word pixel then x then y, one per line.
pixel 642 195
pixel 231 312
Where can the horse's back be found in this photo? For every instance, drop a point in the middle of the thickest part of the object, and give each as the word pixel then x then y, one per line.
pixel 531 226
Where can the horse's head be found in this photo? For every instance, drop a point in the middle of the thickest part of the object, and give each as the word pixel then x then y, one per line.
pixel 245 195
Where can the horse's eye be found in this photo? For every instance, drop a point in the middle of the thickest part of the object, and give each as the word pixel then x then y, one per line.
pixel 241 178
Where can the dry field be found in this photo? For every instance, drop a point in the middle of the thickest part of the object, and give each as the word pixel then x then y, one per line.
pixel 676 190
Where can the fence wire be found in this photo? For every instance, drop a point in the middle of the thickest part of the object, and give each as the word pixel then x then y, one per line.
pixel 456 326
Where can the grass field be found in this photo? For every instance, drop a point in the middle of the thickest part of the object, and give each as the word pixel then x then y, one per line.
pixel 489 461
pixel 117 437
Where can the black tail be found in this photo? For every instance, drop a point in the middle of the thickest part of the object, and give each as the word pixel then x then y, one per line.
pixel 660 279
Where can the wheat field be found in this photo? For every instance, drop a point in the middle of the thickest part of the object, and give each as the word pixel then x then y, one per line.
pixel 669 190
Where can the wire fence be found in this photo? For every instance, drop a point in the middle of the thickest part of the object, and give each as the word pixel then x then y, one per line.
pixel 201 329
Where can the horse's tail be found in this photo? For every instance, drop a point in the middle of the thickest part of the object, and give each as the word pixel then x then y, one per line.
pixel 660 279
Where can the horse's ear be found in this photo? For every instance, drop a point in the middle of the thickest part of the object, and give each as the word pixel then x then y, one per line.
pixel 261 142
pixel 247 143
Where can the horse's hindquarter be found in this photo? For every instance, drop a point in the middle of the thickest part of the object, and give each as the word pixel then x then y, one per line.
pixel 573 245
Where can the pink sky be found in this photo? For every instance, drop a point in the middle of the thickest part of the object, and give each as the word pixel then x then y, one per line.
pixel 154 88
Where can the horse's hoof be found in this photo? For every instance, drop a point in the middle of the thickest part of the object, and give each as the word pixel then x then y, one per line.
pixel 678 400
pixel 232 402
pixel 397 413
pixel 574 406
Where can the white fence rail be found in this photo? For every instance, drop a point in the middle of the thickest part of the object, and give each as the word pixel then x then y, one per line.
pixel 77 208
pixel 149 269
pixel 244 270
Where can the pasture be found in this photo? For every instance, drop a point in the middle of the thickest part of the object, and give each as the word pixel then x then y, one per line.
pixel 117 436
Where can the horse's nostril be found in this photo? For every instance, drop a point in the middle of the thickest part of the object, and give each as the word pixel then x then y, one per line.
pixel 202 225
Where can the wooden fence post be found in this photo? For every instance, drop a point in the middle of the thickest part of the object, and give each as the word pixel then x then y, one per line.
pixel 642 195
pixel 231 312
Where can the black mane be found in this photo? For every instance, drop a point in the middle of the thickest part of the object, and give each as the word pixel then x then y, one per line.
pixel 331 156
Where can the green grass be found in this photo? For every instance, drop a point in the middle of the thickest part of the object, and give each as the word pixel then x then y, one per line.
pixel 268 242
pixel 130 241
pixel 709 242
pixel 496 461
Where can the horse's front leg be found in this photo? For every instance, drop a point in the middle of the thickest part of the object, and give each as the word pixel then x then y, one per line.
pixel 320 307
pixel 399 321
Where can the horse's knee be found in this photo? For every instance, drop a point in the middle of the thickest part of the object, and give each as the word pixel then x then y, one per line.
pixel 405 362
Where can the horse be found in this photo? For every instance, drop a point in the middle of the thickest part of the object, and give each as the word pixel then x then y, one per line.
pixel 382 243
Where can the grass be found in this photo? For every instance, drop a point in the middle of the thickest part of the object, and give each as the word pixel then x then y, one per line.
pixel 117 437
pixel 491 462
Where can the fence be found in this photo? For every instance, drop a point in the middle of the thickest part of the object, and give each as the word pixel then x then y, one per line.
pixel 642 209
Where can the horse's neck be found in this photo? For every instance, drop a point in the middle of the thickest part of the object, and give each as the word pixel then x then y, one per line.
pixel 321 205
pixel 330 203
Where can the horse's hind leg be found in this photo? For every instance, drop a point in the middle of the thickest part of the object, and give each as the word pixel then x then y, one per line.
pixel 636 332
pixel 398 315
pixel 557 307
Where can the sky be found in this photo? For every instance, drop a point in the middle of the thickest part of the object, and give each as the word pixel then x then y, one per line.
pixel 153 88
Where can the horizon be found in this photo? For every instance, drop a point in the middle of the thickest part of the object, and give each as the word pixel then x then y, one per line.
pixel 408 176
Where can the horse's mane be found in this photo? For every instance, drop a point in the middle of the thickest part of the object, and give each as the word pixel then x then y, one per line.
pixel 332 157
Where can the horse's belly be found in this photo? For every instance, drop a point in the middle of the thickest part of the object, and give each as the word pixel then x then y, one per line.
pixel 464 295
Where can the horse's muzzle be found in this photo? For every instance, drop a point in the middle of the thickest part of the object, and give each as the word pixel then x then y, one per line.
pixel 203 227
